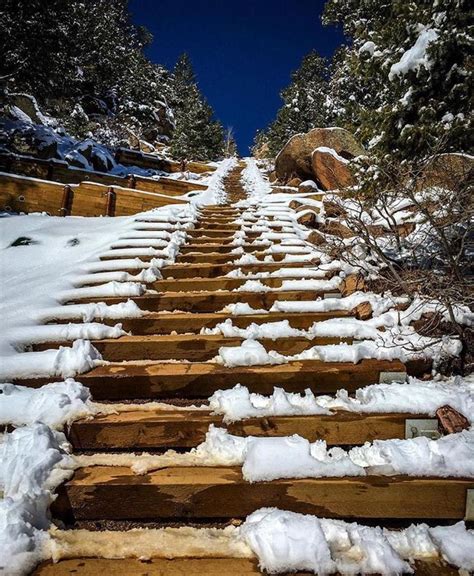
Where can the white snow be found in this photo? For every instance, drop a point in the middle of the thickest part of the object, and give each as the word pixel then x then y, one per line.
pixel 252 180
pixel 55 404
pixel 332 152
pixel 215 193
pixel 285 541
pixel 270 458
pixel 33 462
pixel 415 397
pixel 416 56
pixel 44 258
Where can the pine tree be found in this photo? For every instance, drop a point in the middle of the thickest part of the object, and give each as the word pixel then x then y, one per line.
pixel 85 63
pixel 198 136
pixel 303 102
pixel 409 66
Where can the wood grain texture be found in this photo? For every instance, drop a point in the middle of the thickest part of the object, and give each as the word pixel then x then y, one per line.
pixel 192 566
pixel 119 381
pixel 142 429
pixel 205 492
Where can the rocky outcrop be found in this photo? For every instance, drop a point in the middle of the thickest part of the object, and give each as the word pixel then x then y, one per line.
pixel 446 171
pixel 331 169
pixel 295 159
pixel 28 105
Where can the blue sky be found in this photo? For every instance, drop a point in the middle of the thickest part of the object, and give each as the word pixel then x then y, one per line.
pixel 242 52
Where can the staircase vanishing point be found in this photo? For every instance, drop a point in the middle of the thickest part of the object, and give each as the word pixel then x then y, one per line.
pixel 114 498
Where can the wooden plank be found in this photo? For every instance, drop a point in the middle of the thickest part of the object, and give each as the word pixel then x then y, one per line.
pixel 23 194
pixel 155 162
pixel 204 270
pixel 211 284
pixel 192 347
pixel 220 248
pixel 161 323
pixel 60 171
pixel 206 492
pixel 152 567
pixel 193 567
pixel 186 346
pixel 216 258
pixel 212 301
pixel 153 429
pixel 119 381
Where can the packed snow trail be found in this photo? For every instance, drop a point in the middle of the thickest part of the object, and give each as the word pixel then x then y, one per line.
pixel 239 322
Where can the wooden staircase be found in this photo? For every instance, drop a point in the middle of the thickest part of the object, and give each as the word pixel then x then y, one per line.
pixel 165 357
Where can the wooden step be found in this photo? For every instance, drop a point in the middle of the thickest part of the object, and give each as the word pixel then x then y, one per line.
pixel 216 258
pixel 120 381
pixel 217 233
pixel 220 248
pixel 219 240
pixel 225 226
pixel 192 347
pixel 115 493
pixel 192 567
pixel 186 270
pixel 212 301
pixel 212 284
pixel 153 429
pixel 161 323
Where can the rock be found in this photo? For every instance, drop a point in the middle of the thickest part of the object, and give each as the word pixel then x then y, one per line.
pixel 102 160
pixel 330 169
pixel 295 157
pixel 352 283
pixel 294 182
pixel 307 218
pixel 85 148
pixel 446 171
pixel 338 229
pixel 332 209
pixel 77 160
pixel 272 177
pixel 316 238
pixel 307 187
pixel 362 311
pixel 262 152
pixel 29 106
pixel 34 141
pixel 146 147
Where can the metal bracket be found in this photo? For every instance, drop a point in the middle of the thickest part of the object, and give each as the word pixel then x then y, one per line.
pixel 389 377
pixel 335 295
pixel 428 427
pixel 469 505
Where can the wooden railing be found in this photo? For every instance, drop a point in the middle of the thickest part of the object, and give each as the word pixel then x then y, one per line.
pixel 26 194
pixel 60 171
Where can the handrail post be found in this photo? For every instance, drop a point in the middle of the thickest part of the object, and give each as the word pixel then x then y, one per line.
pixel 67 200
pixel 111 201
pixel 132 181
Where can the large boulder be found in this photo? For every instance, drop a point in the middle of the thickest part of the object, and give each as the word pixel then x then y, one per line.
pixel 34 140
pixel 29 106
pixel 295 159
pixel 331 170
pixel 446 171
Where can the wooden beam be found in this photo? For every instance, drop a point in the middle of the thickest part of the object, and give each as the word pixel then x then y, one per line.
pixel 162 323
pixel 205 492
pixel 153 429
pixel 204 270
pixel 192 567
pixel 211 284
pixel 194 347
pixel 119 381
pixel 211 301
